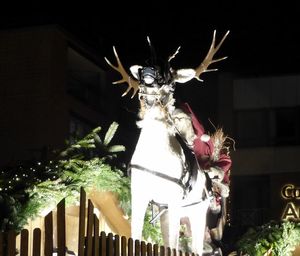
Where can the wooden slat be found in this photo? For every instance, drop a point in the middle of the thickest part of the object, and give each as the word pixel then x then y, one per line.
pixel 168 251
pixel 110 244
pixel 89 233
pixel 174 252
pixel 102 243
pixel 36 243
pixel 123 246
pixel 11 243
pixel 143 248
pixel 24 243
pixel 130 247
pixel 96 236
pixel 1 244
pixel 81 231
pixel 162 250
pixel 149 249
pixel 155 250
pixel 117 245
pixel 48 251
pixel 61 228
pixel 137 247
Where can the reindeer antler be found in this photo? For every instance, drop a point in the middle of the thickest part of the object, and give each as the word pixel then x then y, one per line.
pixel 209 57
pixel 132 83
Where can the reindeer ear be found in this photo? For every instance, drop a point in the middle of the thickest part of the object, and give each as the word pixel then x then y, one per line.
pixel 184 75
pixel 135 71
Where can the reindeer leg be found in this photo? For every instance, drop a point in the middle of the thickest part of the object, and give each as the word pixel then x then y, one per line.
pixel 198 225
pixel 139 206
pixel 170 226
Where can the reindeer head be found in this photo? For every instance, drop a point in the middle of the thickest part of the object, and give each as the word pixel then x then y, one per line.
pixel 157 77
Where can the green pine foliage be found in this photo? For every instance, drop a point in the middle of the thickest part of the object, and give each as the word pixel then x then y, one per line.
pixel 85 163
pixel 273 238
pixel 35 190
pixel 151 232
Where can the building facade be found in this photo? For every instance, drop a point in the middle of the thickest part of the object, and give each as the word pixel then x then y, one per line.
pixel 262 114
pixel 53 88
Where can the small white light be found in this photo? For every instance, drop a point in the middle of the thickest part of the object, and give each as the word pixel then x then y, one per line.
pixel 148 79
pixel 205 137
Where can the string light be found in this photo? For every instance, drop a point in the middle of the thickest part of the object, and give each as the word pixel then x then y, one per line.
pixel 25 176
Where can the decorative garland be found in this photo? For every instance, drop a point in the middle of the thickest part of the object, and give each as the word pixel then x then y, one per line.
pixel 273 238
pixel 26 192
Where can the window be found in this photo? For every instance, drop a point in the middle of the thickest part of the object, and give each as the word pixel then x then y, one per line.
pixel 268 127
pixel 251 127
pixel 267 111
pixel 85 80
pixel 285 126
pixel 250 199
pixel 79 127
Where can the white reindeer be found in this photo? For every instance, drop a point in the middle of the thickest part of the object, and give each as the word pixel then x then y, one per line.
pixel 158 166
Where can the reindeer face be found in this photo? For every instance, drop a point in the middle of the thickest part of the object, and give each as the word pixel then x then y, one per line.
pixel 147 76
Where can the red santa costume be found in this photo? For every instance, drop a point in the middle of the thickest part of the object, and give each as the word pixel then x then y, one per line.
pixel 212 156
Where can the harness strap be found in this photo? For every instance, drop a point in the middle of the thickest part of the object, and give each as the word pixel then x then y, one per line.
pixel 161 175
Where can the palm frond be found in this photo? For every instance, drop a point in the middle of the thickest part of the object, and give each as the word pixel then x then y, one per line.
pixel 110 133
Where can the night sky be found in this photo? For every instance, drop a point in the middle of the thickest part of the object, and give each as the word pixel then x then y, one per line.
pixel 264 37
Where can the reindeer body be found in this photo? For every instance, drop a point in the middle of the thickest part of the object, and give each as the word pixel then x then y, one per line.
pixel 158 164
pixel 157 151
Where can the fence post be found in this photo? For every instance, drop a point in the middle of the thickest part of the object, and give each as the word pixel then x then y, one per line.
pixel 24 243
pixel 143 248
pixel 130 247
pixel 11 243
pixel 102 243
pixel 36 243
pixel 89 232
pixel 162 250
pixel 61 228
pixel 149 249
pixel 48 248
pixel 117 245
pixel 123 246
pixel 1 244
pixel 137 247
pixel 155 250
pixel 81 231
pixel 96 236
pixel 110 244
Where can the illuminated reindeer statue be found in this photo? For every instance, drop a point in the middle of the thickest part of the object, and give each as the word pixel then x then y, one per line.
pixel 159 169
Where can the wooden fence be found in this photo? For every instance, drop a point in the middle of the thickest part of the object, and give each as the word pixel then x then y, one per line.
pixel 91 241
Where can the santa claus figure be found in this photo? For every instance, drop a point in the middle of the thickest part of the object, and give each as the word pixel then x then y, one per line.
pixel 212 155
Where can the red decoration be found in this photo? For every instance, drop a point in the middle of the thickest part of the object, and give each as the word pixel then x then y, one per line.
pixel 204 149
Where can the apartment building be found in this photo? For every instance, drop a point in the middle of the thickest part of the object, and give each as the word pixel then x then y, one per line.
pixel 53 88
pixel 262 114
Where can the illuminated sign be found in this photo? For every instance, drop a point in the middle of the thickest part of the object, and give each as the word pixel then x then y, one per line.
pixel 292 210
